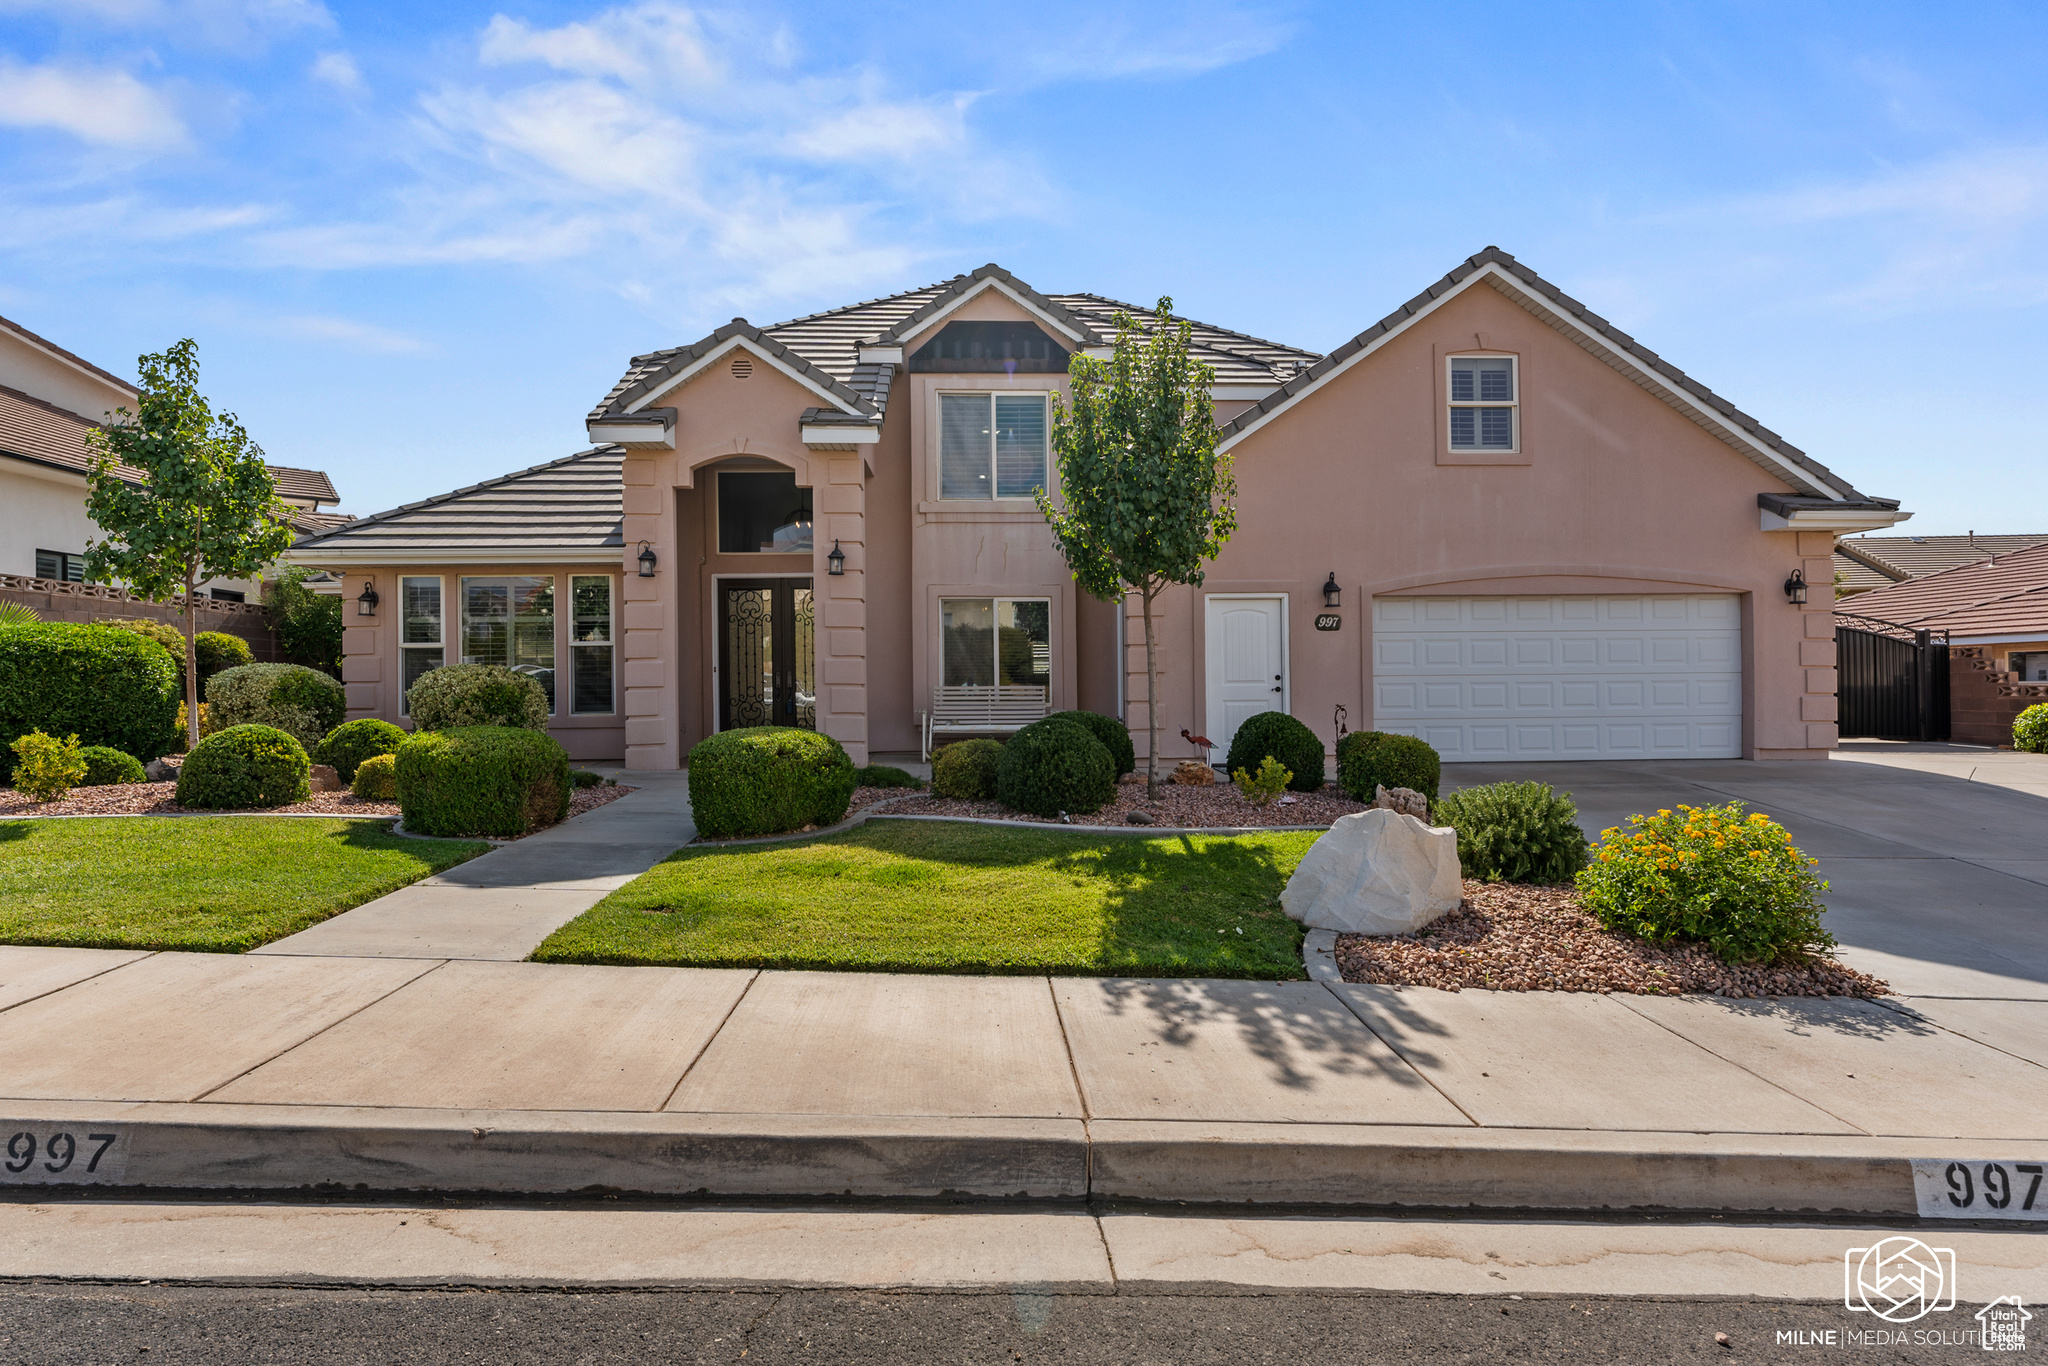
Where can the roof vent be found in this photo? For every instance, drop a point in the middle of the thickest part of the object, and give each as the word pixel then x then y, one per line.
pixel 742 367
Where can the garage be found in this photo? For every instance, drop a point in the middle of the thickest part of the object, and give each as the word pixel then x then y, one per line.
pixel 1632 676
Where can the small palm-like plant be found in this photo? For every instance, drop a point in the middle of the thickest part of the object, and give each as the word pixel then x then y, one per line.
pixel 17 614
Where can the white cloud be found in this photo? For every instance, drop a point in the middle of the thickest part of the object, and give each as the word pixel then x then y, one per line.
pixel 97 105
pixel 899 132
pixel 356 336
pixel 339 70
pixel 584 132
pixel 1182 40
pixel 631 44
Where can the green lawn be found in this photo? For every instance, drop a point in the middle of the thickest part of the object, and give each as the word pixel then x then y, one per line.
pixel 221 886
pixel 916 896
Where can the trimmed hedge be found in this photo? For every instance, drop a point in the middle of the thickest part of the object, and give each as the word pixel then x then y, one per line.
pixel 1372 759
pixel 218 652
pixel 245 766
pixel 348 744
pixel 766 779
pixel 377 778
pixel 1115 737
pixel 482 780
pixel 1515 832
pixel 106 686
pixel 1052 766
pixel 461 695
pixel 1275 734
pixel 966 769
pixel 2030 730
pixel 105 766
pixel 303 703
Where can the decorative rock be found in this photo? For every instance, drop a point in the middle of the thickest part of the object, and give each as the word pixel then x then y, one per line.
pixel 1405 800
pixel 157 771
pixel 1141 818
pixel 1376 872
pixel 1194 773
pixel 323 778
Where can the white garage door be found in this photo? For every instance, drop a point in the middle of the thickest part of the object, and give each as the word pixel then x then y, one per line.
pixel 1632 677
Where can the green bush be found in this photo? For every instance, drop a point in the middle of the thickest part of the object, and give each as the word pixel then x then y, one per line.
pixel 1113 734
pixel 105 766
pixel 1264 787
pixel 583 777
pixel 2030 729
pixel 882 775
pixel 47 768
pixel 303 703
pixel 351 742
pixel 463 695
pixel 1371 759
pixel 482 780
pixel 766 779
pixel 104 685
pixel 18 614
pixel 218 652
pixel 149 628
pixel 1277 735
pixel 966 769
pixel 1515 832
pixel 308 625
pixel 1710 875
pixel 1052 766
pixel 377 778
pixel 244 766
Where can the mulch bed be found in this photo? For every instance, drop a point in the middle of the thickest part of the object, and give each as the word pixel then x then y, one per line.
pixel 161 799
pixel 1513 937
pixel 1178 806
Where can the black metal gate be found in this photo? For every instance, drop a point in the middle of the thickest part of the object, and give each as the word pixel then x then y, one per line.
pixel 1891 681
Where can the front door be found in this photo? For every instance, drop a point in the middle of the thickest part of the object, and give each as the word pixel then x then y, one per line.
pixel 767 660
pixel 1247 663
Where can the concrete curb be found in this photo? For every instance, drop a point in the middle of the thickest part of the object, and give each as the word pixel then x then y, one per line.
pixel 1149 831
pixel 1319 956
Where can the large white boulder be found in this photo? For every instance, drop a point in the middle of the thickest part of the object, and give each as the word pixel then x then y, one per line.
pixel 1376 872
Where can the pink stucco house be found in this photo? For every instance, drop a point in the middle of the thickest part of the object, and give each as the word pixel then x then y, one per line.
pixel 1490 519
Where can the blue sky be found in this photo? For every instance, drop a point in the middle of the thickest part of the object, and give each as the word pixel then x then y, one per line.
pixel 416 242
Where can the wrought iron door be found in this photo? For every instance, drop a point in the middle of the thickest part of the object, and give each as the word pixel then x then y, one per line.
pixel 767 654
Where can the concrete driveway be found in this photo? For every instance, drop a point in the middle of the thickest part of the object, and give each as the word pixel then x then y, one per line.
pixel 1936 855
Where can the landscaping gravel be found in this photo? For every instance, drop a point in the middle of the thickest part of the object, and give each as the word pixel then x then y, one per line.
pixel 1178 807
pixel 1512 937
pixel 161 799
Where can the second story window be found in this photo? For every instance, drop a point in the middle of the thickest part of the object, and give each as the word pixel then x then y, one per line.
pixel 1483 403
pixel 991 445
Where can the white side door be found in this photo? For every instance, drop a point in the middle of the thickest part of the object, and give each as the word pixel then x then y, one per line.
pixel 1247 662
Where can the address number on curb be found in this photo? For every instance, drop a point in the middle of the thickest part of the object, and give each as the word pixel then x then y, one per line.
pixel 53 1157
pixel 1976 1189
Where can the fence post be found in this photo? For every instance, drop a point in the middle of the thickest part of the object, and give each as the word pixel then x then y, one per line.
pixel 1923 684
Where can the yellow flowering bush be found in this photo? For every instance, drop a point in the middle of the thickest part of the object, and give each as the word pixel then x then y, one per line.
pixel 1710 874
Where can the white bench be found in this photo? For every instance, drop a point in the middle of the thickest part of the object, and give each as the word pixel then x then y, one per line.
pixel 1000 709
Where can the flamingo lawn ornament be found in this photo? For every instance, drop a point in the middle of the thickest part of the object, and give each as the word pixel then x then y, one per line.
pixel 1201 742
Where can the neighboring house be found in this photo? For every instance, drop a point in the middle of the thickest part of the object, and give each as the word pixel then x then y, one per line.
pixel 1866 562
pixel 1546 542
pixel 49 401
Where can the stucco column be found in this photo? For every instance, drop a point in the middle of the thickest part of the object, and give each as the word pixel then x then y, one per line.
pixel 362 650
pixel 1817 704
pixel 841 603
pixel 649 646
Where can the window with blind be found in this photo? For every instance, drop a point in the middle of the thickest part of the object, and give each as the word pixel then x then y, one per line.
pixel 60 565
pixel 1483 403
pixel 590 644
pixel 991 642
pixel 511 621
pixel 420 647
pixel 991 445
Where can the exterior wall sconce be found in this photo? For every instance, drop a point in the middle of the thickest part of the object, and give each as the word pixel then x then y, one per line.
pixel 1795 588
pixel 366 601
pixel 835 563
pixel 1330 591
pixel 646 560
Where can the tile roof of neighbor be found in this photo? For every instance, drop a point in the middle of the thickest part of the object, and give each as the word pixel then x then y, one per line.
pixel 572 503
pixel 2007 595
pixel 311 485
pixel 1913 556
pixel 8 324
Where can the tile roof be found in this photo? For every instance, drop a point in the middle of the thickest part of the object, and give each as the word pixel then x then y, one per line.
pixel 2007 595
pixel 312 486
pixel 309 523
pixel 1237 358
pixel 44 343
pixel 1913 556
pixel 574 503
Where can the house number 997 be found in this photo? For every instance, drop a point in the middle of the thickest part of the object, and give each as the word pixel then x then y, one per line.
pixel 1329 621
pixel 57 1152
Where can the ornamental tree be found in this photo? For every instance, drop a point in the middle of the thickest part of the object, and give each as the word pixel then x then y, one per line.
pixel 1146 499
pixel 204 506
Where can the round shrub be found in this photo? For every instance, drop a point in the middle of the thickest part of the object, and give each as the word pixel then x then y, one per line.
pixel 966 769
pixel 1111 732
pixel 303 703
pixel 348 744
pixel 1276 735
pixel 886 775
pixel 104 685
pixel 1371 759
pixel 1711 875
pixel 377 778
pixel 482 780
pixel 766 779
pixel 245 766
pixel 1052 766
pixel 218 652
pixel 477 695
pixel 2030 729
pixel 105 766
pixel 162 632
pixel 1515 832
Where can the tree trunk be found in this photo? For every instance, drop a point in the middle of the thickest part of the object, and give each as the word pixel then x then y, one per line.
pixel 191 662
pixel 1151 698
